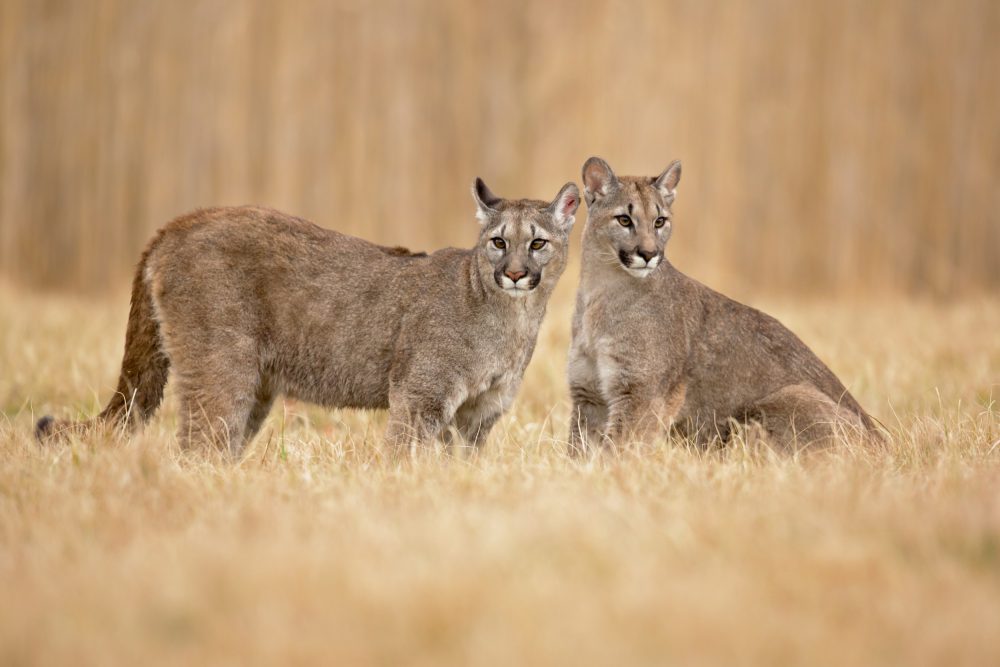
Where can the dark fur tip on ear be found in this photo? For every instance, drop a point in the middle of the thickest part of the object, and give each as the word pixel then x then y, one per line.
pixel 486 201
pixel 483 195
pixel 667 182
pixel 598 178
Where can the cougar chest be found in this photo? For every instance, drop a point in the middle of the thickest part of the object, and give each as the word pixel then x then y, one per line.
pixel 600 324
pixel 503 352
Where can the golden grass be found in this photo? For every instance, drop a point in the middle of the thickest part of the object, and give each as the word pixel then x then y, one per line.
pixel 854 142
pixel 311 550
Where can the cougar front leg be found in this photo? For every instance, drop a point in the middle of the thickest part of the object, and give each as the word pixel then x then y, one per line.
pixel 590 413
pixel 415 421
pixel 475 418
pixel 475 427
pixel 638 413
pixel 629 417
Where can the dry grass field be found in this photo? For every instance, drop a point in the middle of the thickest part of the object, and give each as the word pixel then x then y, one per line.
pixel 313 550
pixel 858 140
pixel 839 156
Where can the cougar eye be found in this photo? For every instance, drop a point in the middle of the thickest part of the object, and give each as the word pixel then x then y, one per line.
pixel 659 222
pixel 538 244
pixel 624 220
pixel 499 242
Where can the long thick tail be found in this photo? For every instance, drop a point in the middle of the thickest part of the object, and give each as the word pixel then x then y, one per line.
pixel 143 376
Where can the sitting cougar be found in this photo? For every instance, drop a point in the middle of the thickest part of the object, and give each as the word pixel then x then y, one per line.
pixel 246 304
pixel 653 346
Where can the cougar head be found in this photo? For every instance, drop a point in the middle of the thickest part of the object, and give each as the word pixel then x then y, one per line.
pixel 630 217
pixel 524 242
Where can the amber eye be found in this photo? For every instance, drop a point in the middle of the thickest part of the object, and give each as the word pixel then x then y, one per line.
pixel 624 220
pixel 538 244
pixel 659 222
pixel 499 242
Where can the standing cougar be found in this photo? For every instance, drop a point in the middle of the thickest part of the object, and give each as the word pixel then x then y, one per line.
pixel 653 346
pixel 248 303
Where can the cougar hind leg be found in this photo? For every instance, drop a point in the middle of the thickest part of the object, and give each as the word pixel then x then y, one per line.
pixel 219 390
pixel 800 416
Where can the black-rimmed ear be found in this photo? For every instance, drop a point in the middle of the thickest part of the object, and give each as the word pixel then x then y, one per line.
pixel 486 201
pixel 563 207
pixel 667 182
pixel 599 179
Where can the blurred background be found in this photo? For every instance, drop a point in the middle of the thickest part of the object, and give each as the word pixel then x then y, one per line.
pixel 844 147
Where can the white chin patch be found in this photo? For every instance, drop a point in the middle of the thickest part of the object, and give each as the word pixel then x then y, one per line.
pixel 641 273
pixel 639 267
pixel 520 288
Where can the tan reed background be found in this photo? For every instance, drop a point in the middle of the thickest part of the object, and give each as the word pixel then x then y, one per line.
pixel 828 146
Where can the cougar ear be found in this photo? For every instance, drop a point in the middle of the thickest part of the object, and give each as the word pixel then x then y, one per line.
pixel 598 179
pixel 486 201
pixel 667 182
pixel 563 207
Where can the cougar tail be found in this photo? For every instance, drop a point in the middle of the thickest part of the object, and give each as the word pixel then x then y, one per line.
pixel 143 375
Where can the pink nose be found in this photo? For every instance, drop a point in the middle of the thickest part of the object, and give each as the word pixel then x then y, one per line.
pixel 515 275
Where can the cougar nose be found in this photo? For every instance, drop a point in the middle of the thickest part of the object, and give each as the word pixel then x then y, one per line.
pixel 515 275
pixel 646 254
